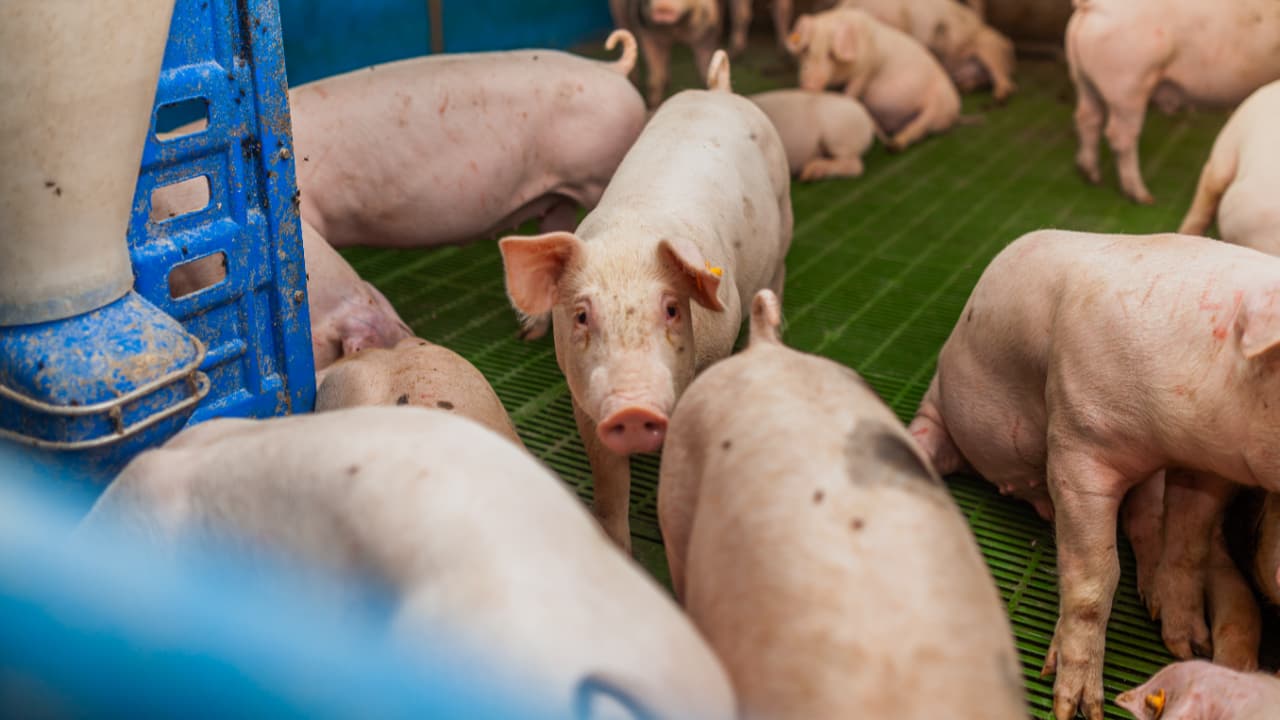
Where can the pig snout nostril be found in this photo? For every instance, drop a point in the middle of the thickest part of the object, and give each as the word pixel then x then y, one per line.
pixel 633 430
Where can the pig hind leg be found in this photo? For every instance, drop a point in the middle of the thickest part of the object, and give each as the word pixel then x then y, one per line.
pixel 843 157
pixel 995 53
pixel 1216 177
pixel 782 10
pixel 930 432
pixel 1126 93
pixel 931 118
pixel 1142 517
pixel 1089 115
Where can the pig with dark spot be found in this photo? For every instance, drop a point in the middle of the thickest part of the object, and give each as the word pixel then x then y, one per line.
pixel 347 314
pixel 483 550
pixel 659 24
pixel 1092 362
pixel 1198 690
pixel 414 372
pixel 825 134
pixel 900 83
pixel 450 148
pixel 813 551
pixel 651 288
pixel 1125 53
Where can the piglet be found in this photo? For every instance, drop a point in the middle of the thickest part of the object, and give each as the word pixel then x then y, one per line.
pixel 414 372
pixel 901 84
pixel 478 544
pixel 1124 53
pixel 825 134
pixel 1198 690
pixel 1083 364
pixel 347 314
pixel 663 23
pixel 810 542
pixel 973 53
pixel 450 148
pixel 1238 183
pixel 650 289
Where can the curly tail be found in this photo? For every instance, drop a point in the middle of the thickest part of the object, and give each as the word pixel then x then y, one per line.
pixel 718 73
pixel 625 64
pixel 766 316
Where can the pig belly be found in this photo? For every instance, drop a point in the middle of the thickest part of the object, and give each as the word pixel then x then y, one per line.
pixel 895 99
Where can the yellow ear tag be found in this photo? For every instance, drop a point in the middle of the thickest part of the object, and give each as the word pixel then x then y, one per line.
pixel 1155 701
pixel 793 38
pixel 717 271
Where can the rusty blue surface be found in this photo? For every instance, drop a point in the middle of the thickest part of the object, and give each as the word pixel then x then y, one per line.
pixel 227 56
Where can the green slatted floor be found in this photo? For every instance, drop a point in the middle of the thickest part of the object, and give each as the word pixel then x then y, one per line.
pixel 878 272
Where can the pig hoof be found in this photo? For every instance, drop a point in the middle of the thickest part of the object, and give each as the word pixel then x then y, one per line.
pixel 1142 197
pixel 1091 174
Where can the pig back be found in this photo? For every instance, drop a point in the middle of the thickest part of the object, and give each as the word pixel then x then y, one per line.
pixel 709 167
pixel 843 542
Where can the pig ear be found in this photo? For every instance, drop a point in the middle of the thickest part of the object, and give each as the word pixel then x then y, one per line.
pixel 700 278
pixel 801 33
pixel 534 267
pixel 844 42
pixel 1259 322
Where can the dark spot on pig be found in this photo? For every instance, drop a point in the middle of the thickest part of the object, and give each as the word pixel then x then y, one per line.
pixel 306 159
pixel 402 400
pixel 1089 612
pixel 631 311
pixel 679 349
pixel 57 191
pixel 748 208
pixel 535 57
pixel 856 524
pixel 817 496
pixel 726 444
pixel 352 470
pixel 874 454
pixel 49 183
pixel 753 137
pixel 737 244
pixel 444 404
pixel 969 317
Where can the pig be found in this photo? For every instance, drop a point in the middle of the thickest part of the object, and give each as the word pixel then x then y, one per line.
pixel 824 134
pixel 901 84
pixel 1238 182
pixel 1198 690
pixel 662 23
pixel 1185 568
pixel 1081 365
pixel 1123 53
pixel 452 518
pixel 972 52
pixel 1254 519
pixel 447 149
pixel 809 541
pixel 414 372
pixel 650 290
pixel 347 313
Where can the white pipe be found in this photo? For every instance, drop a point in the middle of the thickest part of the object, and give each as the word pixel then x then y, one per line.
pixel 77 85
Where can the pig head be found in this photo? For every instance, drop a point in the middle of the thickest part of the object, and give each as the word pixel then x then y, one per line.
pixel 623 325
pixel 822 45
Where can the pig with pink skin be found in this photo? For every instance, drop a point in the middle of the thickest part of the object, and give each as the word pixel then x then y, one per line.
pixel 1255 521
pixel 810 542
pixel 347 314
pixel 900 83
pixel 825 134
pixel 482 549
pixel 1239 181
pixel 1125 53
pixel 1198 690
pixel 1083 364
pixel 450 148
pixel 651 288
pixel 973 53
pixel 662 23
pixel 417 373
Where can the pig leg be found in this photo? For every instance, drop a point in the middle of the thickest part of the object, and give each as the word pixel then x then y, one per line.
pixel 611 476
pixel 931 118
pixel 1142 517
pixel 995 53
pixel 819 168
pixel 1126 95
pixel 930 433
pixel 1193 504
pixel 702 52
pixel 740 23
pixel 657 63
pixel 1233 613
pixel 782 10
pixel 560 217
pixel 1089 115
pixel 1216 177
pixel 1086 498
pixel 677 503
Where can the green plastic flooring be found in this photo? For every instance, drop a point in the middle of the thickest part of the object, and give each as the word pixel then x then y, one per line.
pixel 878 272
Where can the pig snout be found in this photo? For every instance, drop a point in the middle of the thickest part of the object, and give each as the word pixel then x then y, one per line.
pixel 633 429
pixel 813 80
pixel 665 12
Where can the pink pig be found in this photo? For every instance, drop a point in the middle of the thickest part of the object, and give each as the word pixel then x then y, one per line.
pixel 1198 690
pixel 450 148
pixel 1083 364
pixel 651 288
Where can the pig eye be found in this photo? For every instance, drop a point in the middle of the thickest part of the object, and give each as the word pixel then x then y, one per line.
pixel 673 310
pixel 580 318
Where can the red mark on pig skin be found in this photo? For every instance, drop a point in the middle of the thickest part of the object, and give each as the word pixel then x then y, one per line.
pixel 1220 328
pixel 444 104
